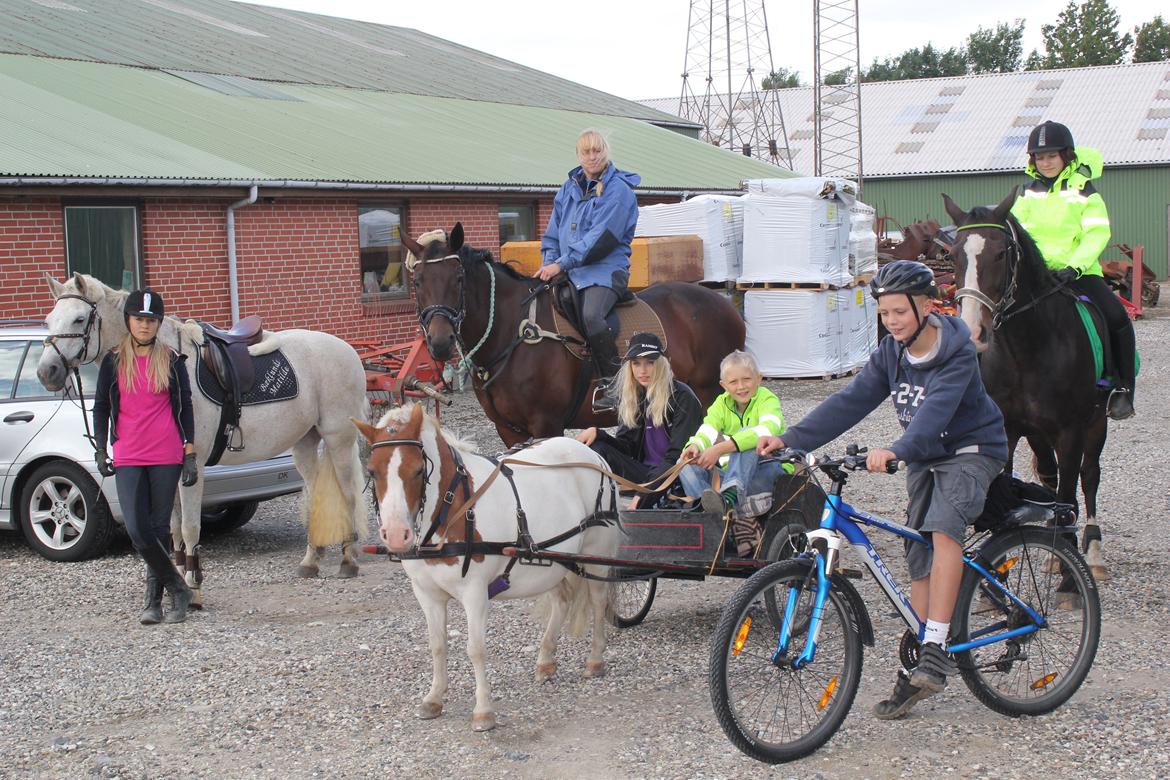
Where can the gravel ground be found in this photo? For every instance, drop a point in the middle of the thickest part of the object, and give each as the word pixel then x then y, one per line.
pixel 293 678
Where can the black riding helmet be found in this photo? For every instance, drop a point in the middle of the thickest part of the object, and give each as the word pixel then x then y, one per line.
pixel 144 303
pixel 1050 137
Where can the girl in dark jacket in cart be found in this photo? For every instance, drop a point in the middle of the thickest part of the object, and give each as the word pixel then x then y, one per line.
pixel 657 415
pixel 143 388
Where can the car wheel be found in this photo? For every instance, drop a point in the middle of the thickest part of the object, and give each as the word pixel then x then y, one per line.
pixel 63 514
pixel 229 517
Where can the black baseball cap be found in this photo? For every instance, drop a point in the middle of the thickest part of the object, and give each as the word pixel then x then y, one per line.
pixel 644 345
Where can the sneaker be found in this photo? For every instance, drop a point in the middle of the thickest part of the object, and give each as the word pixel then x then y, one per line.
pixel 934 664
pixel 905 696
pixel 715 503
pixel 1120 405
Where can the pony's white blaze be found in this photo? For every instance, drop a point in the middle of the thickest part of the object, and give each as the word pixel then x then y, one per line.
pixel 970 309
pixel 393 513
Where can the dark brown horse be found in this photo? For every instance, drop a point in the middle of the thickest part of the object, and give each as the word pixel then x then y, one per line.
pixel 1035 357
pixel 467 300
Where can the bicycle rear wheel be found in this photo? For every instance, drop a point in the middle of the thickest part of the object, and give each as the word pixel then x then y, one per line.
pixel 769 710
pixel 1035 673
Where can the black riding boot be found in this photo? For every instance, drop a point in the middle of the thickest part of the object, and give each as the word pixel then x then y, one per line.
pixel 1120 405
pixel 152 613
pixel 156 557
pixel 606 362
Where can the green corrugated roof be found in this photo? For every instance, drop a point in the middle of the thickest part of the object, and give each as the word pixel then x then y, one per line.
pixel 68 118
pixel 217 36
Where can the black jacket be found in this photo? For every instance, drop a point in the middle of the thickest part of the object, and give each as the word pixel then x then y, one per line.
pixel 684 415
pixel 107 399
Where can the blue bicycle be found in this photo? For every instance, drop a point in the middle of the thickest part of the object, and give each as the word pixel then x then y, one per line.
pixel 786 656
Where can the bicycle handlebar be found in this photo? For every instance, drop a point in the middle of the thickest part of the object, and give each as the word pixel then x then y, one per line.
pixel 855 460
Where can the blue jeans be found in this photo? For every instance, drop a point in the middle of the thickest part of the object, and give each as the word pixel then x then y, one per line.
pixel 743 469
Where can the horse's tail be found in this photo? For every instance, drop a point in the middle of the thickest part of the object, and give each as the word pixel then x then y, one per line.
pixel 333 517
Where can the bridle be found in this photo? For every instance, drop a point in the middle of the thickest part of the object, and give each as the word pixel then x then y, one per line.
pixel 459 478
pixel 454 316
pixel 84 335
pixel 1007 299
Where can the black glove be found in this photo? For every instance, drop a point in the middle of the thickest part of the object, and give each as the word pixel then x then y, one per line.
pixel 1066 275
pixel 104 464
pixel 190 470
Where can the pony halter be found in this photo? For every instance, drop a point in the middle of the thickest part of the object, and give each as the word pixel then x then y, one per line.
pixel 1007 299
pixel 428 467
pixel 454 316
pixel 84 335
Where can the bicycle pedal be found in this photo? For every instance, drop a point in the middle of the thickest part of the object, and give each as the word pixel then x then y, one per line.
pixel 853 574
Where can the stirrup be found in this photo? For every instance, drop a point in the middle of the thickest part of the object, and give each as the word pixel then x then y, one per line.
pixel 1120 404
pixel 602 400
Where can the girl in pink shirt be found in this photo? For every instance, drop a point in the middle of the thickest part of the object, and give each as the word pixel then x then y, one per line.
pixel 144 389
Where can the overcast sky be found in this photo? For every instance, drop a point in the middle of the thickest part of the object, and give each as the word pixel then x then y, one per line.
pixel 637 48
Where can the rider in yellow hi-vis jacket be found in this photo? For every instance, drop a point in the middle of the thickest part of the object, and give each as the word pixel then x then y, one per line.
pixel 1066 217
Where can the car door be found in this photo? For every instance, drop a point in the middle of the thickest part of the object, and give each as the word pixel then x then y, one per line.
pixel 25 406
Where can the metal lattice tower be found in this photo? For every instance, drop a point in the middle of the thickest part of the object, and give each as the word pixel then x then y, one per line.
pixel 837 106
pixel 728 56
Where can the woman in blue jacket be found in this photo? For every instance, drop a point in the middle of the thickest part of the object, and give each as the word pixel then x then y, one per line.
pixel 588 237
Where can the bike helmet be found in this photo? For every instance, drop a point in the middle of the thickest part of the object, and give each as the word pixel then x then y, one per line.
pixel 1049 137
pixel 904 276
pixel 144 303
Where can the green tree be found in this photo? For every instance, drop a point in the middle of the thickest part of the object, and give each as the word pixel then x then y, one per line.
pixel 996 51
pixel 782 78
pixel 924 63
pixel 838 77
pixel 1085 35
pixel 1152 41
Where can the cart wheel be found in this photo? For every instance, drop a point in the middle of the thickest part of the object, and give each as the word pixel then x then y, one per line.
pixel 785 542
pixel 632 599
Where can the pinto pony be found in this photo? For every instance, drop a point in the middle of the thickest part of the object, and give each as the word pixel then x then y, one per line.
pixel 415 465
pixel 86 322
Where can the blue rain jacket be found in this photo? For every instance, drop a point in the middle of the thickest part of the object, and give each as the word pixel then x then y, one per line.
pixel 591 228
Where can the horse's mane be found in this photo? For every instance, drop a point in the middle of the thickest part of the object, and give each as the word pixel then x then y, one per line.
pixel 472 257
pixel 400 415
pixel 1034 272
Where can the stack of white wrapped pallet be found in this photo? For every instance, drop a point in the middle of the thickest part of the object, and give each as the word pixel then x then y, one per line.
pixel 717 219
pixel 809 250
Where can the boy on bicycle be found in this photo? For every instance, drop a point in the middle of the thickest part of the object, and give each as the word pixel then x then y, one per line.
pixel 953 444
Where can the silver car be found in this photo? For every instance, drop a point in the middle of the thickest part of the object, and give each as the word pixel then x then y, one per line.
pixel 50 487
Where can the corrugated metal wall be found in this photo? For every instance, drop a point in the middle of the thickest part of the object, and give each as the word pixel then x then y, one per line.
pixel 1138 201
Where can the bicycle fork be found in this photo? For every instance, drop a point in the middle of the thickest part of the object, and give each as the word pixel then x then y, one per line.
pixel 824 563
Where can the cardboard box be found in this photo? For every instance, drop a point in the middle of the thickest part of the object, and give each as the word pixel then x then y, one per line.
pixel 653 259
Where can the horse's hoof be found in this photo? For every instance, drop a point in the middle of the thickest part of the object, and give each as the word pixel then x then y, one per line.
pixel 1100 572
pixel 307 572
pixel 483 721
pixel 347 571
pixel 544 672
pixel 595 669
pixel 430 710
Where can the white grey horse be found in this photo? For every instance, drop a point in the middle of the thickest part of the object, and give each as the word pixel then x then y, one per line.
pixel 87 321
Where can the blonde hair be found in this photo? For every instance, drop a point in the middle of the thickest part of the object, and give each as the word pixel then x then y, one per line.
pixel 738 358
pixel 158 366
pixel 593 139
pixel 658 394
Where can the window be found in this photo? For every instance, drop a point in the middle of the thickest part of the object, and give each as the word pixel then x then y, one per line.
pixel 380 239
pixel 11 355
pixel 517 223
pixel 103 241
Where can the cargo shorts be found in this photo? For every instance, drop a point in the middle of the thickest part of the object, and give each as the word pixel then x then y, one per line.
pixel 945 497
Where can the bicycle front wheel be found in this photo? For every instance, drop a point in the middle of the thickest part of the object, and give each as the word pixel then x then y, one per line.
pixel 1035 673
pixel 770 710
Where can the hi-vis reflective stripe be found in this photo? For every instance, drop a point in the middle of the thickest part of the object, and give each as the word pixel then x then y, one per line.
pixel 705 436
pixel 764 430
pixel 773 422
pixel 1087 221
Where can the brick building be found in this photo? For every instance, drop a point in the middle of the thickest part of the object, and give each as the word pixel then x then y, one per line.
pixel 192 132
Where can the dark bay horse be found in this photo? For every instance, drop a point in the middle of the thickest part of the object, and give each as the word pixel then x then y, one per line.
pixel 1035 357
pixel 467 300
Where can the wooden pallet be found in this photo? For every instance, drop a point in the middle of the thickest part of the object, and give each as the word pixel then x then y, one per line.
pixel 813 286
